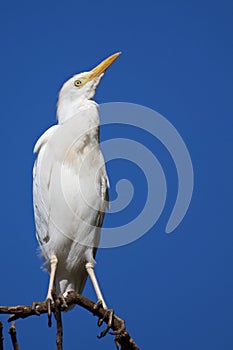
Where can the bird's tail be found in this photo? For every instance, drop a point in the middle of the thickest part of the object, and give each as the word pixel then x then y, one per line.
pixel 76 283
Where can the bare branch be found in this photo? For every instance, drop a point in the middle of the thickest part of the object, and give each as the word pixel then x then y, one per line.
pixel 12 332
pixel 57 315
pixel 122 337
pixel 1 336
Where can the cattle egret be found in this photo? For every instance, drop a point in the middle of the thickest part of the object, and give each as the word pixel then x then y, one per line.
pixel 68 240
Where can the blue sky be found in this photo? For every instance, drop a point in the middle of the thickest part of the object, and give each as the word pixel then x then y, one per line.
pixel 174 291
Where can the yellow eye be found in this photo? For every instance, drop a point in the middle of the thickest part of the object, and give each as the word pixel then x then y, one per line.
pixel 78 83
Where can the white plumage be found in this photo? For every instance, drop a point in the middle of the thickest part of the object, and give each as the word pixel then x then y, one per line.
pixel 70 186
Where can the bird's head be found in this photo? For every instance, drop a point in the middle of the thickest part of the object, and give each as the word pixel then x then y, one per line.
pixel 81 87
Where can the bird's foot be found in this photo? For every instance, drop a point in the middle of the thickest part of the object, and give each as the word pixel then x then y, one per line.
pixel 49 302
pixel 63 304
pixel 108 315
pixel 35 306
pixel 98 305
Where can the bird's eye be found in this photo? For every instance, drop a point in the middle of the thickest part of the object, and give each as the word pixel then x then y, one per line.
pixel 78 83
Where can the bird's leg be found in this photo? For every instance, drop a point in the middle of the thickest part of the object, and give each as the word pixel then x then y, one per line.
pixel 64 306
pixel 100 303
pixel 53 267
pixel 91 273
pixel 49 298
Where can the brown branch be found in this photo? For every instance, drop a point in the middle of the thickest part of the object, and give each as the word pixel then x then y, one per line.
pixel 1 336
pixel 12 332
pixel 57 315
pixel 122 337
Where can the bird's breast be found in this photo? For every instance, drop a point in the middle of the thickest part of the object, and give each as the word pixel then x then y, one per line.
pixel 84 149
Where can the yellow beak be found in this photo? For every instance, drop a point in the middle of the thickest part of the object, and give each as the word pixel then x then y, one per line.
pixel 101 68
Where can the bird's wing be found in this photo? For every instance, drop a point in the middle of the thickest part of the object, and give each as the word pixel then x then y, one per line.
pixel 43 139
pixel 41 186
pixel 58 170
pixel 104 193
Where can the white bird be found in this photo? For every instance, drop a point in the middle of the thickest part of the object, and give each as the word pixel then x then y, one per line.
pixel 70 186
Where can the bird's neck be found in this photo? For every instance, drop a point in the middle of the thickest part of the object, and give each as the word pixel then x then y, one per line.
pixel 75 108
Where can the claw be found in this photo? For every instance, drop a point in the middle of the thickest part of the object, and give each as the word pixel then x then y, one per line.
pixel 119 331
pixel 35 305
pixel 63 304
pixel 100 322
pixel 110 314
pixel 98 305
pixel 49 304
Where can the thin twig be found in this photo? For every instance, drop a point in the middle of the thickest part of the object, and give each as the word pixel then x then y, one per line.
pixel 1 336
pixel 12 332
pixel 58 318
pixel 122 337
